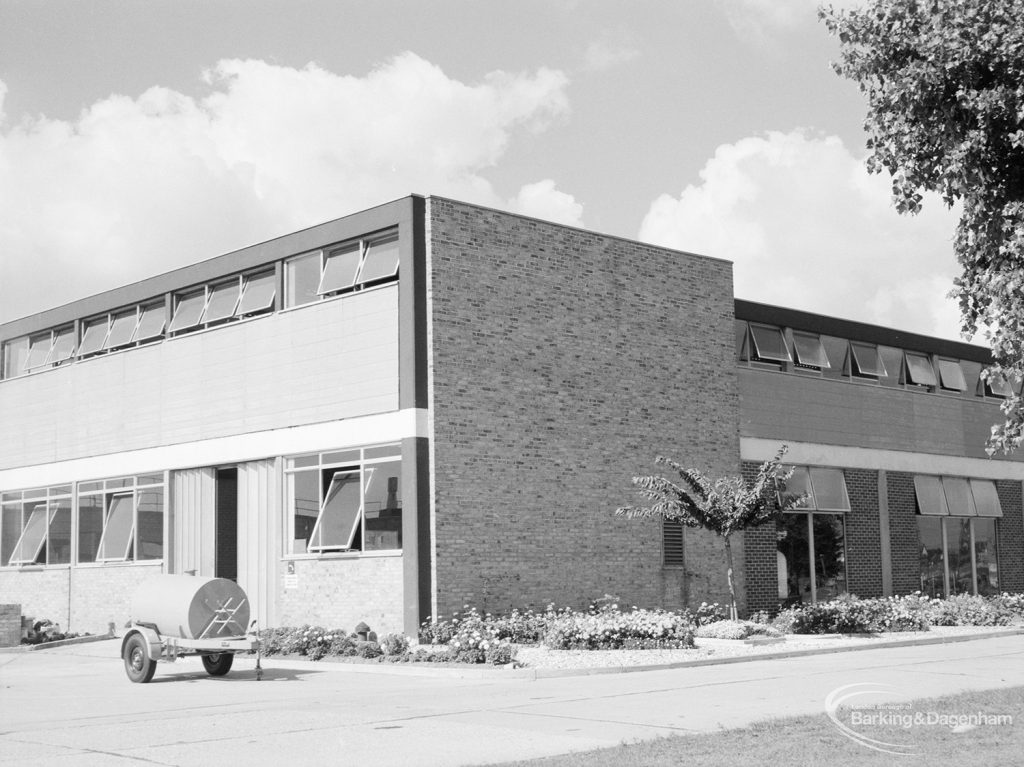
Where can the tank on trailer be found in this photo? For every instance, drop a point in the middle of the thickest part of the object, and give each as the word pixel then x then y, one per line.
pixel 191 607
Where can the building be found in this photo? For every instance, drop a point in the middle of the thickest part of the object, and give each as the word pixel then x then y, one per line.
pixel 430 404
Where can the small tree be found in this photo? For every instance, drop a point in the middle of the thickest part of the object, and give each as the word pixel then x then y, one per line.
pixel 723 506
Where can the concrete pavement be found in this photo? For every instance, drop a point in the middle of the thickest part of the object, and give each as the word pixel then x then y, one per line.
pixel 74 706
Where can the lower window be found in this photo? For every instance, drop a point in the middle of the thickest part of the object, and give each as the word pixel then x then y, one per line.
pixel 957 555
pixel 35 526
pixel 121 520
pixel 348 500
pixel 811 557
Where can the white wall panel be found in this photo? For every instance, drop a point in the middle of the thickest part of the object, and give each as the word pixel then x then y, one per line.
pixel 332 360
pixel 193 509
pixel 259 525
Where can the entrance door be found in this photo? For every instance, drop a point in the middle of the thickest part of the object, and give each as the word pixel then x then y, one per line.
pixel 226 556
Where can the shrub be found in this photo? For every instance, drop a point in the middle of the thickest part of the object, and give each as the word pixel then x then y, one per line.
pixel 969 610
pixel 43 631
pixel 609 628
pixel 394 644
pixel 729 629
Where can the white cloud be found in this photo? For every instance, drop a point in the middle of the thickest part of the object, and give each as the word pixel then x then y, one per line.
pixel 542 200
pixel 809 228
pixel 136 186
pixel 610 50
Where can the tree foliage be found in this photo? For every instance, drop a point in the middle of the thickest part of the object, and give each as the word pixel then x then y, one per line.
pixel 944 81
pixel 723 506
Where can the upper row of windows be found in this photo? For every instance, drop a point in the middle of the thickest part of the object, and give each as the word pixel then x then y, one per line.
pixel 831 356
pixel 308 277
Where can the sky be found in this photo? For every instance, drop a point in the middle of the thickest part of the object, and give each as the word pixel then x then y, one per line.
pixel 137 136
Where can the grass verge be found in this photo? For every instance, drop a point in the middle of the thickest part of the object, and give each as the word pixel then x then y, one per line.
pixel 816 740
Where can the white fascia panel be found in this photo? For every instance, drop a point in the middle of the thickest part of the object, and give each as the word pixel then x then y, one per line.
pixel 350 432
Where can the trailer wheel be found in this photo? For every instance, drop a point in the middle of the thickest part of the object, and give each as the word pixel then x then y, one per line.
pixel 218 664
pixel 137 663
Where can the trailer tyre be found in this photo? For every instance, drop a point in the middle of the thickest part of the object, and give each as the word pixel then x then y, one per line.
pixel 137 663
pixel 218 664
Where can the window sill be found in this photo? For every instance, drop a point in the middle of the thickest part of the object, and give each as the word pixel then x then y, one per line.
pixel 133 563
pixel 341 555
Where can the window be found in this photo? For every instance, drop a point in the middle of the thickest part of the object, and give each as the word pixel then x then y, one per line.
pixel 121 520
pixel 811 540
pixel 957 530
pixel 919 369
pixel 809 351
pixel 63 346
pixel 15 357
pixel 672 543
pixel 258 293
pixel 188 309
pixel 866 361
pixel 122 329
pixel 313 276
pixel 152 321
pixel 345 501
pixel 769 343
pixel 94 333
pixel 38 351
pixel 222 301
pixel 951 375
pixel 35 527
pixel 998 387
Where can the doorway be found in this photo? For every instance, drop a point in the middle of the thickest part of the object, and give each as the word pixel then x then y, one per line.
pixel 226 555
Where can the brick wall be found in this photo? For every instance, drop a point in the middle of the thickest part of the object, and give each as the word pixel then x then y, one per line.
pixel 903 539
pixel 339 593
pixel 760 562
pixel 10 625
pixel 863 537
pixel 102 595
pixel 563 362
pixel 42 594
pixel 1011 537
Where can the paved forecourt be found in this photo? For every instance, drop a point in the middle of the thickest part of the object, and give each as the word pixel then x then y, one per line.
pixel 74 706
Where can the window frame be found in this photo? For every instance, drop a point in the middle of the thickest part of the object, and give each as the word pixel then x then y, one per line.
pixel 109 490
pixel 46 500
pixel 859 370
pixel 919 369
pixel 327 289
pixel 822 361
pixel 361 461
pixel 769 355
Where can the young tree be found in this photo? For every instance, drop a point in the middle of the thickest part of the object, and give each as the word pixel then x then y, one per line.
pixel 724 506
pixel 944 81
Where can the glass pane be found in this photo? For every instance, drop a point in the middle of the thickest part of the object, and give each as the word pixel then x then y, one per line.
pixel 258 294
pixel 959 499
pixel 892 361
pixel 10 530
pixel 920 370
pixel 829 490
pixel 154 317
pixel 304 493
pixel 339 514
pixel 742 352
pixel 986 499
pixel 381 260
pixel 59 490
pixel 797 485
pixel 809 351
pixel 769 343
pixel 301 278
pixel 793 557
pixel 999 387
pixel 90 526
pixel 340 270
pixel 15 356
pixel 58 541
pixel 951 375
pixel 115 545
pixel 94 333
pixel 341 456
pixel 122 328
pixel 87 487
pixel 866 361
pixel 301 461
pixel 931 497
pixel 837 350
pixel 30 544
pixel 958 555
pixel 38 351
pixel 149 479
pixel 223 301
pixel 188 309
pixel 985 556
pixel 932 564
pixel 151 524
pixel 63 346
pixel 120 482
pixel 382 506
pixel 829 556
pixel 384 451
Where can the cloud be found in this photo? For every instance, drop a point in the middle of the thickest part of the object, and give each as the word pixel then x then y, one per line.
pixel 610 50
pixel 542 200
pixel 137 186
pixel 809 228
pixel 759 21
